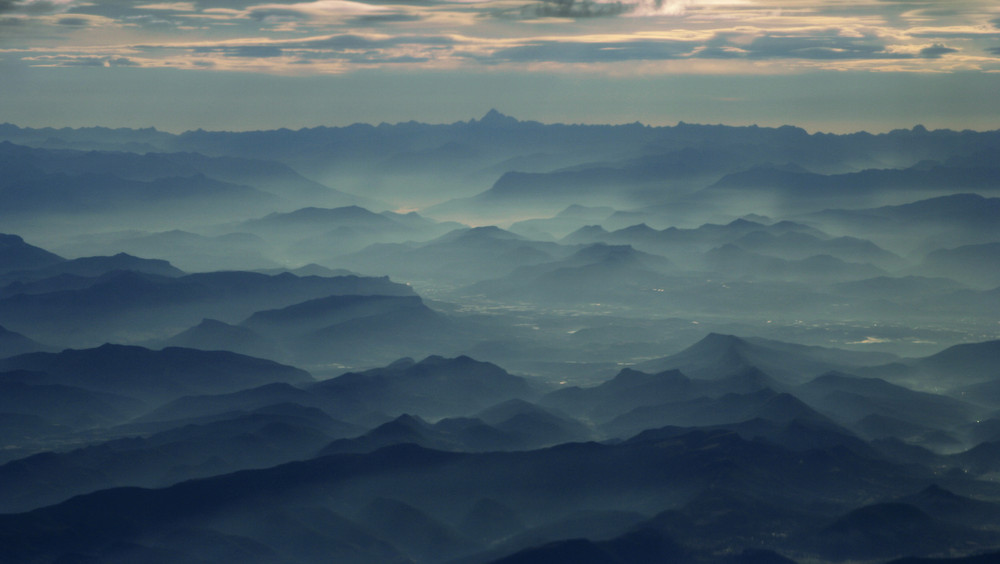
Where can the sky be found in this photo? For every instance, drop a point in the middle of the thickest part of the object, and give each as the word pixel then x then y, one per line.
pixel 826 65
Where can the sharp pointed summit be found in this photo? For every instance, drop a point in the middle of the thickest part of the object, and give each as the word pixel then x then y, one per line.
pixel 495 118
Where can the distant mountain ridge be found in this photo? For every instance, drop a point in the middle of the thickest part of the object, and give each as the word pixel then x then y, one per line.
pixel 78 310
pixel 266 175
pixel 169 373
pixel 919 140
pixel 13 343
pixel 16 254
pixel 718 355
pixel 94 267
pixel 630 160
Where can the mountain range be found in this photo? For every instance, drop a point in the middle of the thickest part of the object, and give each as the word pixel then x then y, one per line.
pixel 499 341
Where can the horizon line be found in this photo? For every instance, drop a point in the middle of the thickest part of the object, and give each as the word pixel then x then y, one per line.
pixel 495 115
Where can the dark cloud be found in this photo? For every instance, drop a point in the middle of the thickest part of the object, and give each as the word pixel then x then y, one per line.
pixel 70 21
pixel 936 51
pixel 567 52
pixel 720 47
pixel 377 19
pixel 121 62
pixel 577 9
pixel 339 42
pixel 993 50
pixel 40 8
pixel 248 51
pixel 255 51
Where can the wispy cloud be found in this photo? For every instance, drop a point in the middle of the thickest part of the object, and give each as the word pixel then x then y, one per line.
pixel 320 9
pixel 824 45
pixel 82 61
pixel 587 52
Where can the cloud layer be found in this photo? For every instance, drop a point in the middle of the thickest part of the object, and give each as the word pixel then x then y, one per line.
pixel 618 36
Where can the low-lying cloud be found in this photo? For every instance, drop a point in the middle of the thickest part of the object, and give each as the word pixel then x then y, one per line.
pixel 576 9
pixel 936 51
pixel 767 47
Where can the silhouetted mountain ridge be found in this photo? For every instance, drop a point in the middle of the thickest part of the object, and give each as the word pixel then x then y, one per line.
pixel 719 355
pixel 148 374
pixel 15 254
